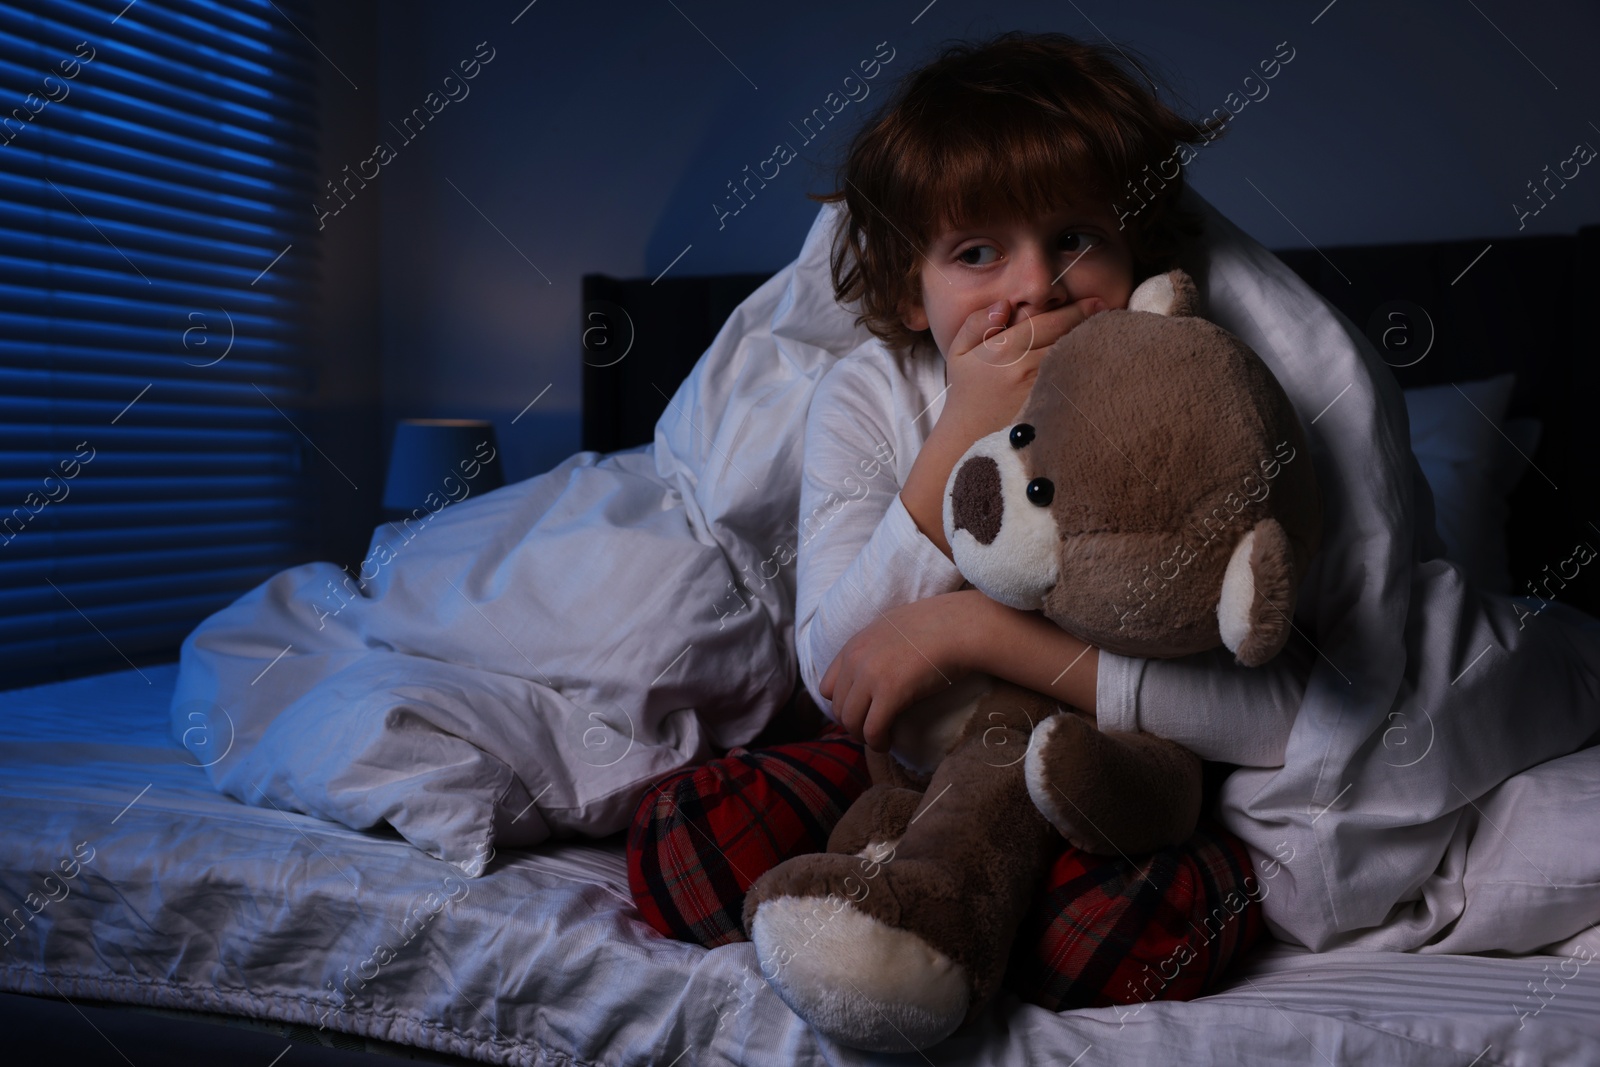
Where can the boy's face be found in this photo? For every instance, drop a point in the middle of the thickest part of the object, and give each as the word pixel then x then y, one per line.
pixel 1036 264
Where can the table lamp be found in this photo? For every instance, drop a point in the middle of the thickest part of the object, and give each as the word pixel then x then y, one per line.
pixel 437 462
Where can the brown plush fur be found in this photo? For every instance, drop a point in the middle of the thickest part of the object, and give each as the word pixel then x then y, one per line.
pixel 1115 793
pixel 967 853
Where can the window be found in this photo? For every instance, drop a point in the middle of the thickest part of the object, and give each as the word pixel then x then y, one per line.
pixel 157 163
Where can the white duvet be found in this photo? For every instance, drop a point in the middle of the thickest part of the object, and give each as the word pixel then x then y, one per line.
pixel 526 663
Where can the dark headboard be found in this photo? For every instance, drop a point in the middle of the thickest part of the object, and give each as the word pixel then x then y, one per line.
pixel 1526 305
pixel 640 340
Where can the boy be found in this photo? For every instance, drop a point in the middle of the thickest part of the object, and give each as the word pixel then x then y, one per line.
pixel 979 231
pixel 981 228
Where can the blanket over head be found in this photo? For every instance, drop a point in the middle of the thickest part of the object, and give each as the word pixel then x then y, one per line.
pixel 1425 695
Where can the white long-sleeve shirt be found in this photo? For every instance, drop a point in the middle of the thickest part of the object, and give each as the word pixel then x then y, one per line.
pixel 861 553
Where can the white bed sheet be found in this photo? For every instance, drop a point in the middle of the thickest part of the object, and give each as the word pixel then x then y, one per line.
pixel 194 900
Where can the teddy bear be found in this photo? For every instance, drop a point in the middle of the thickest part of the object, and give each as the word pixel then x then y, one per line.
pixel 1154 497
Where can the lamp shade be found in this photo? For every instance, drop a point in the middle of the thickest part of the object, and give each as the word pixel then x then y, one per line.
pixel 436 462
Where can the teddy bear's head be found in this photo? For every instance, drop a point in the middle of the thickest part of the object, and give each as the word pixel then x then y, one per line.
pixel 1154 496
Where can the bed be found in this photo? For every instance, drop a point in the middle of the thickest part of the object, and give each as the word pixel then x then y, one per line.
pixel 150 917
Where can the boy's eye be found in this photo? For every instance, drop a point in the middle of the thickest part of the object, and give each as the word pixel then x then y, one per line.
pixel 1076 243
pixel 978 255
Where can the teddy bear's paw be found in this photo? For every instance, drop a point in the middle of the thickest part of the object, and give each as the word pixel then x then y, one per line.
pixel 1054 767
pixel 867 949
pixel 1112 793
pixel 855 978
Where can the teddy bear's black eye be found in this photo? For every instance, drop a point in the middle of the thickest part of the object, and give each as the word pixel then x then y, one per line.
pixel 1041 491
pixel 1021 434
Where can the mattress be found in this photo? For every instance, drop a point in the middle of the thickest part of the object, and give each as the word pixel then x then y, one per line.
pixel 125 878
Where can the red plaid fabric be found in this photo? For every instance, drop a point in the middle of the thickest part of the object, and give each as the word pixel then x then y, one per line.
pixel 703 835
pixel 1103 930
pixel 1109 930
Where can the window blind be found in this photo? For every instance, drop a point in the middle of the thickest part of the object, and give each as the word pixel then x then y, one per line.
pixel 157 163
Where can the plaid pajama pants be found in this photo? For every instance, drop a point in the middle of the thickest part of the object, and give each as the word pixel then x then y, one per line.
pixel 1102 930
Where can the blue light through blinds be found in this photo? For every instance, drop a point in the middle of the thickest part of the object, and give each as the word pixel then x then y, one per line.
pixel 156 167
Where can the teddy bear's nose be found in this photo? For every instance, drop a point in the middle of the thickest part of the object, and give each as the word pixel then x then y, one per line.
pixel 975 501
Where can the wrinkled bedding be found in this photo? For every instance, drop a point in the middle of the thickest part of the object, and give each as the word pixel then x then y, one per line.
pixel 523 663
pixel 190 899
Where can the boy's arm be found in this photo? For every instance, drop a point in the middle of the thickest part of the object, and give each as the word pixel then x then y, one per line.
pixel 915 650
pixel 1208 703
pixel 860 554
pixel 923 494
pixel 1028 649
pixel 1205 702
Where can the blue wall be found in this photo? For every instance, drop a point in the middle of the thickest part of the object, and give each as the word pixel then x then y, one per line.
pixel 600 135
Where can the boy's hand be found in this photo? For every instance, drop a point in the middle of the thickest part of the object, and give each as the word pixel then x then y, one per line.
pixel 990 369
pixel 910 652
pixel 991 366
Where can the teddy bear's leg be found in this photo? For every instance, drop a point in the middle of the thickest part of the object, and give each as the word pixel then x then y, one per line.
pixel 894 950
pixel 1111 792
pixel 878 817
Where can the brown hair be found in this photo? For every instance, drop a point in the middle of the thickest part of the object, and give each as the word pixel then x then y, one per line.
pixel 1006 127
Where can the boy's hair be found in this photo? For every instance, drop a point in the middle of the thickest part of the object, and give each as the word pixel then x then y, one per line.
pixel 1008 127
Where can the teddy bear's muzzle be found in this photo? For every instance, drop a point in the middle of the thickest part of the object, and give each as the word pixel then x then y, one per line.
pixel 1003 542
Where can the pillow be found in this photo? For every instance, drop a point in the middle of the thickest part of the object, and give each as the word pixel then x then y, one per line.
pixel 1472 462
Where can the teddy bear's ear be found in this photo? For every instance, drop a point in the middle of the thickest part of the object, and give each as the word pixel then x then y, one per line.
pixel 1172 293
pixel 1258 594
